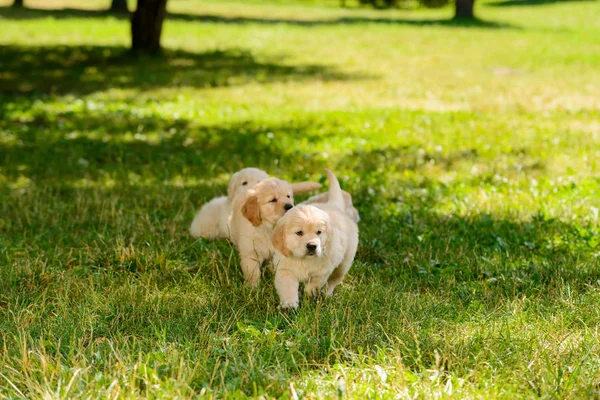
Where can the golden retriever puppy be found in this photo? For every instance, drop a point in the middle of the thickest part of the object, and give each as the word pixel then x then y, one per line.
pixel 212 221
pixel 253 218
pixel 314 244
pixel 348 205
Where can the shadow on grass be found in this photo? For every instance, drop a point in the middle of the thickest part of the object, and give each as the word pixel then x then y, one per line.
pixel 112 245
pixel 54 148
pixel 86 69
pixel 404 240
pixel 27 13
pixel 130 263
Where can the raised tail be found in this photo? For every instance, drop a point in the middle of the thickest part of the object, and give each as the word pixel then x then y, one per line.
pixel 336 197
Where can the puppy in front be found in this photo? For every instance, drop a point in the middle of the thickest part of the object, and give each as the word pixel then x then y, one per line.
pixel 314 244
pixel 212 221
pixel 253 218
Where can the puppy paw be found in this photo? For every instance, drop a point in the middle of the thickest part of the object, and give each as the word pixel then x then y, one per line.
pixel 314 292
pixel 251 283
pixel 289 304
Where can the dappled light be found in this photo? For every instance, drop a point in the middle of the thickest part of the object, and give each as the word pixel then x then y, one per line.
pixel 470 150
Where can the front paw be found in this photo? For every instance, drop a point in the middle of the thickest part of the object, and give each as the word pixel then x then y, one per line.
pixel 289 304
pixel 313 292
pixel 252 283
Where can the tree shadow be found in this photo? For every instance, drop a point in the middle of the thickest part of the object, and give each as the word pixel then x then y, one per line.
pixel 519 3
pixel 451 22
pixel 87 69
pixel 66 13
pixel 55 148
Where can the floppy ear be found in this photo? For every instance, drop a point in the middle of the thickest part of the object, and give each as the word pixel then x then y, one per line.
pixel 251 210
pixel 278 240
pixel 305 187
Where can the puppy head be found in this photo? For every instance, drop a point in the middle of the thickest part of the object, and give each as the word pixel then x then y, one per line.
pixel 244 180
pixel 302 232
pixel 268 201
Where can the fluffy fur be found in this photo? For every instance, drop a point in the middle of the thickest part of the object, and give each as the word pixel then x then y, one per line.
pixel 314 244
pixel 212 221
pixel 348 205
pixel 253 218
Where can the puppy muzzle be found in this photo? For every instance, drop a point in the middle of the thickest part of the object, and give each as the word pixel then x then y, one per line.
pixel 311 249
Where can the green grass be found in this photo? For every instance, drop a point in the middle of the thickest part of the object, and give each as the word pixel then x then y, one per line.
pixel 471 151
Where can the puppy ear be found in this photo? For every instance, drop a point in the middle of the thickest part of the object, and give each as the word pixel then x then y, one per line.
pixel 305 187
pixel 278 240
pixel 347 199
pixel 251 210
pixel 231 187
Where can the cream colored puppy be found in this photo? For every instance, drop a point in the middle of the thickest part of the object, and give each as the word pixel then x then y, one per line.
pixel 348 205
pixel 212 221
pixel 253 218
pixel 314 244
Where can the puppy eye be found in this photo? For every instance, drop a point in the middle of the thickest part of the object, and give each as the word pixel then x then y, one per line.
pixel 244 183
pixel 299 233
pixel 318 232
pixel 274 201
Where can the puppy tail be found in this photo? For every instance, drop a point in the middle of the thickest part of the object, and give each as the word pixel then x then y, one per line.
pixel 336 196
pixel 305 187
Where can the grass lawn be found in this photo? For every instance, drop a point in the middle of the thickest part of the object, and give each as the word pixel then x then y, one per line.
pixel 472 152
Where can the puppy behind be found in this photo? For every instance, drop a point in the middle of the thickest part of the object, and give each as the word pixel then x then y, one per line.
pixel 348 205
pixel 314 244
pixel 253 218
pixel 212 221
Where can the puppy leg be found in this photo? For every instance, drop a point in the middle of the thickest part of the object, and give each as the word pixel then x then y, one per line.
pixel 314 284
pixel 251 271
pixel 338 274
pixel 287 288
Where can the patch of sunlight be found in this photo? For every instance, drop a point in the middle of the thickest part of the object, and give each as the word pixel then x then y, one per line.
pixel 20 183
pixel 574 102
pixel 136 180
pixel 8 138
pixel 58 4
pixel 592 127
pixel 374 378
pixel 106 182
pixel 181 62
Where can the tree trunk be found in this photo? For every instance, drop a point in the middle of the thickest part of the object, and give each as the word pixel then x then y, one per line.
pixel 119 6
pixel 18 4
pixel 146 25
pixel 464 9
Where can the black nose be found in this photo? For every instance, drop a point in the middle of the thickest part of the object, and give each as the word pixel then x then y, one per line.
pixel 311 246
pixel 288 206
